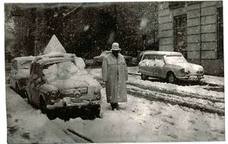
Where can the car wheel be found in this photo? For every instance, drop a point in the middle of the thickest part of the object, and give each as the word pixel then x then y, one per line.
pixel 51 114
pixel 43 106
pixel 171 78
pixel 96 111
pixel 144 77
pixel 17 88
pixel 24 94
pixel 28 98
pixel 11 83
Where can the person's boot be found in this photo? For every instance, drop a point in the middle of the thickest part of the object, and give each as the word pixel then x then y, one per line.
pixel 117 106
pixel 113 106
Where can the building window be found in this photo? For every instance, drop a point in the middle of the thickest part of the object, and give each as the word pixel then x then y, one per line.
pixel 220 33
pixel 180 34
pixel 175 5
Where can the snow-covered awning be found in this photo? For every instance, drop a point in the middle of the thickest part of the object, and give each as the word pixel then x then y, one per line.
pixel 54 46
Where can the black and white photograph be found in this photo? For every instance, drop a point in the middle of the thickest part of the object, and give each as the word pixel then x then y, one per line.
pixel 114 72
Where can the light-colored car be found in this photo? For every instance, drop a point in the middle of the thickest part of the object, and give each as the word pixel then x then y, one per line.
pixel 59 81
pixel 19 73
pixel 167 65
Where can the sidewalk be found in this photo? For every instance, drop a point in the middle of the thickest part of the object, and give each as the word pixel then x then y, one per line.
pixel 215 80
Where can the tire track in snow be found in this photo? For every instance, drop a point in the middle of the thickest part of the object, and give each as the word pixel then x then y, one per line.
pixel 183 94
pixel 198 102
pixel 195 103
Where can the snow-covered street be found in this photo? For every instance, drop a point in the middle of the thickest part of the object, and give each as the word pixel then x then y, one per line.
pixel 113 72
pixel 207 95
pixel 172 117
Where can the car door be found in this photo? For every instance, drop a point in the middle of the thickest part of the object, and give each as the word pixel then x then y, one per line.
pixel 159 66
pixel 34 84
pixel 148 64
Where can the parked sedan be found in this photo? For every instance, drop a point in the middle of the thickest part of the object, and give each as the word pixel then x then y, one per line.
pixel 171 66
pixel 59 81
pixel 19 73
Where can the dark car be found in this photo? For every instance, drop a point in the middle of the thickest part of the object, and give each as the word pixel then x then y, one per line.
pixel 19 73
pixel 59 81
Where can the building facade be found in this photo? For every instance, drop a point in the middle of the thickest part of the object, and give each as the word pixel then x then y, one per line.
pixel 196 30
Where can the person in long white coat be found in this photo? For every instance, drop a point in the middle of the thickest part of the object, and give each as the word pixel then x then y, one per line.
pixel 115 75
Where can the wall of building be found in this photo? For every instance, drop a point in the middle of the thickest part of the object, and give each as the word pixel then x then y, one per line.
pixel 201 32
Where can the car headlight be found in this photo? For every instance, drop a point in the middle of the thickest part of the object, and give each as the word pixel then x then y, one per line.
pixel 97 94
pixel 53 94
pixel 184 71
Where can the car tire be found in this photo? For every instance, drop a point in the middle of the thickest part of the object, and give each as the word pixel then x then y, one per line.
pixel 51 114
pixel 144 77
pixel 96 111
pixel 24 94
pixel 11 84
pixel 17 88
pixel 171 77
pixel 43 106
pixel 29 98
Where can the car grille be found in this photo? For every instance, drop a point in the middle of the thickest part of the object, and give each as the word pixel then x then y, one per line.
pixel 75 93
pixel 199 72
pixel 23 82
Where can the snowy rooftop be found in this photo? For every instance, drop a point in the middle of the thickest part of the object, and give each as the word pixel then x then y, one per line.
pixel 162 52
pixel 52 57
pixel 25 58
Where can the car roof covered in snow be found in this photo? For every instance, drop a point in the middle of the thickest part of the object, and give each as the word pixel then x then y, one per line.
pixel 162 53
pixel 54 57
pixel 25 58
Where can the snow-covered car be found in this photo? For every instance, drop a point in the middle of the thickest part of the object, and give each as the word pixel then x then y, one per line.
pixel 167 65
pixel 59 81
pixel 19 73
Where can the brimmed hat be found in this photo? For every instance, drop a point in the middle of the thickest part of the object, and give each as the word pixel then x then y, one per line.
pixel 115 47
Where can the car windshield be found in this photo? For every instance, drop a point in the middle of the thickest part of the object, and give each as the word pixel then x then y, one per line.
pixel 149 57
pixel 60 71
pixel 172 59
pixel 25 64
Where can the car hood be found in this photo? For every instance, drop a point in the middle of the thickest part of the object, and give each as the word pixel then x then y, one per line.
pixel 190 67
pixel 76 81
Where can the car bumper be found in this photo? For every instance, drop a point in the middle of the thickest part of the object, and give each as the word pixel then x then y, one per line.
pixel 66 104
pixel 191 77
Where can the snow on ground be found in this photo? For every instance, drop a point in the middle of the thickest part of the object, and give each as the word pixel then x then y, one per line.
pixel 140 120
pixel 168 87
pixel 214 80
pixel 28 125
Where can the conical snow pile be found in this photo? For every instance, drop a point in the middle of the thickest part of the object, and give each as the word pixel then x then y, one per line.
pixel 54 46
